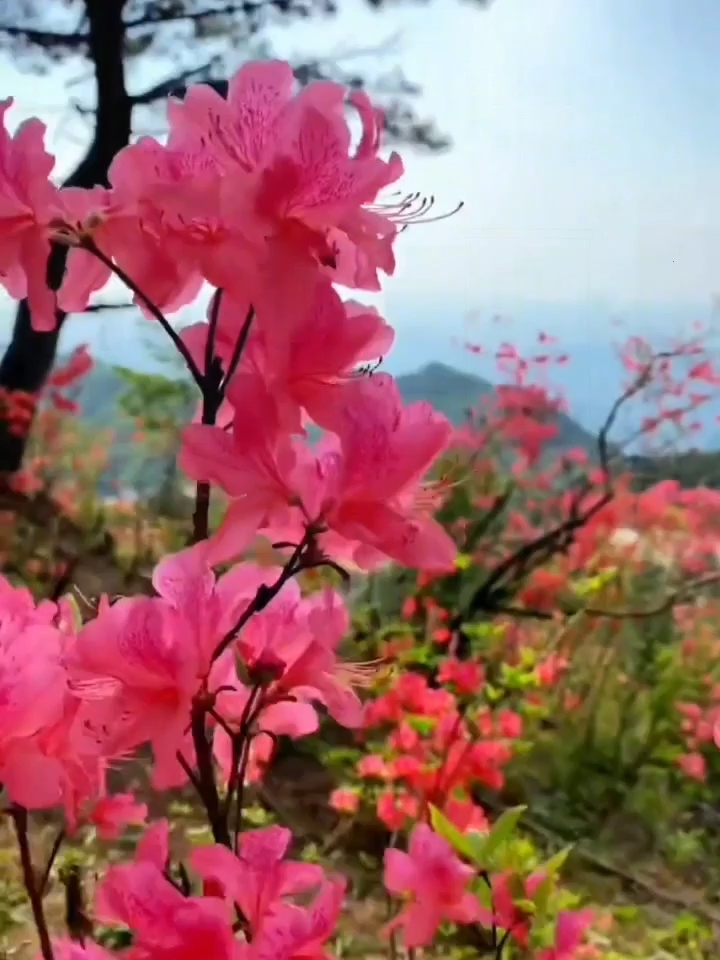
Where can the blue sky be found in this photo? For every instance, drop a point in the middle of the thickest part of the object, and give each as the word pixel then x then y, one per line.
pixel 587 152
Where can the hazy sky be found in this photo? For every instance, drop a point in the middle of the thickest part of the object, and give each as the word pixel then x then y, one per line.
pixel 586 149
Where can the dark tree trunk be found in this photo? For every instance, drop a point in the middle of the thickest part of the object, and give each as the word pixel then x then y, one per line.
pixel 30 356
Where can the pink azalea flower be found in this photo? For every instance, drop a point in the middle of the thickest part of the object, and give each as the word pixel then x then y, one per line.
pixel 306 356
pixel 26 197
pixel 112 219
pixel 33 696
pixel 297 638
pixel 259 876
pixel 293 642
pixel 154 845
pixel 137 676
pixel 179 199
pixel 165 923
pixel 65 949
pixel 209 605
pixel 140 663
pixel 505 913
pixel 436 881
pixel 111 814
pixel 298 933
pixel 364 485
pixel 289 172
pixel 570 930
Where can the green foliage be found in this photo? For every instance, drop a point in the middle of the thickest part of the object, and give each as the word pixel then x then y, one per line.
pixel 161 403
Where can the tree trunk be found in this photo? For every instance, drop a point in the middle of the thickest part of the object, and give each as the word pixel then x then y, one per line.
pixel 30 356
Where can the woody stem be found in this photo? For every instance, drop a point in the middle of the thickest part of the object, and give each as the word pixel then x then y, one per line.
pixel 19 817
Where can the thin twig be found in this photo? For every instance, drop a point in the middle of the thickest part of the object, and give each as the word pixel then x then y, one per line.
pixel 19 817
pixel 90 245
pixel 238 351
pixel 55 849
pixel 206 783
pixel 266 593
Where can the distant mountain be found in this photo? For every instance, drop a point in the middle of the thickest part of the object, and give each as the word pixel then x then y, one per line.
pixel 450 391
pixel 454 393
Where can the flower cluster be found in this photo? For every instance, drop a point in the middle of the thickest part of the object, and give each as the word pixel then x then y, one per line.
pixel 436 750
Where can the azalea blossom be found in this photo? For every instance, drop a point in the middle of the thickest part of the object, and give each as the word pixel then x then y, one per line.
pixel 437 882
pixel 141 662
pixel 26 198
pixel 259 876
pixel 33 696
pixel 362 485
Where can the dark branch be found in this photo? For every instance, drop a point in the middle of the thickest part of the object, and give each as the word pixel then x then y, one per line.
pixel 154 15
pixel 101 307
pixel 45 38
pixel 177 85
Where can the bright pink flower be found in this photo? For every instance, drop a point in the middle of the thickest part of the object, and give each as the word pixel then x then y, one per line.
pixel 397 810
pixel 693 765
pixel 301 636
pixel 364 486
pixel 33 692
pixel 178 195
pixel 372 765
pixel 304 353
pixel 344 800
pixel 17 604
pixel 63 764
pixel 570 930
pixel 505 913
pixel 259 876
pixel 64 949
pixel 311 671
pixel 289 173
pixel 307 356
pixel 465 815
pixel 26 197
pixel 154 845
pixel 209 605
pixel 527 417
pixel 137 677
pixel 113 220
pixel 77 366
pixel 292 643
pixel 165 923
pixel 298 933
pixel 139 664
pixel 111 814
pixel 437 881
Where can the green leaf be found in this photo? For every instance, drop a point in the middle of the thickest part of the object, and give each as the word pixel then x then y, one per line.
pixel 502 830
pixel 541 897
pixel 555 864
pixel 528 907
pixel 460 842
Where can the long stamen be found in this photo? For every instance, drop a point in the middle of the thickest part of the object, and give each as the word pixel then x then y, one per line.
pixel 412 208
pixel 361 675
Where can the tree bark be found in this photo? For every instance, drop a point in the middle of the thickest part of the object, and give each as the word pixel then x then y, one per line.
pixel 30 355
